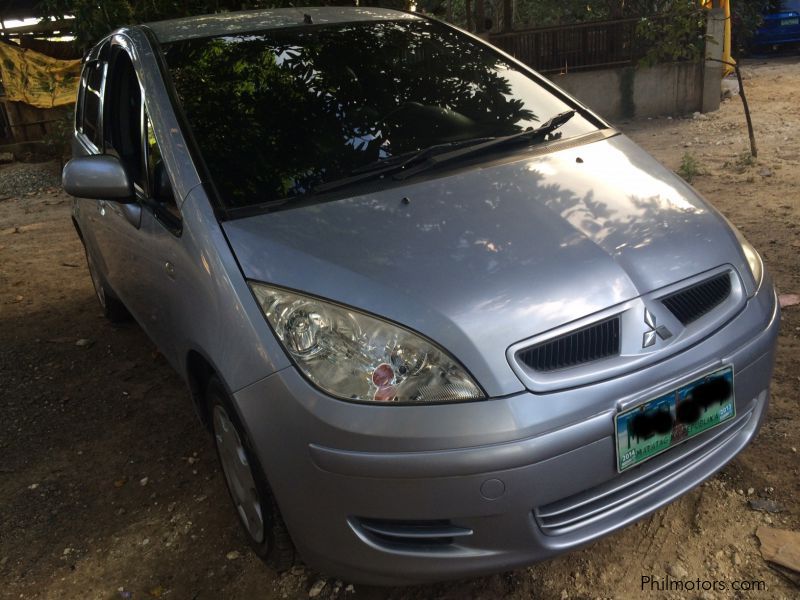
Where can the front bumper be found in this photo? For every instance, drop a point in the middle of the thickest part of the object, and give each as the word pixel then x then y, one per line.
pixel 387 495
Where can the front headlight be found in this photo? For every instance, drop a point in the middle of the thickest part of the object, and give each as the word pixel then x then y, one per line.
pixel 753 259
pixel 354 356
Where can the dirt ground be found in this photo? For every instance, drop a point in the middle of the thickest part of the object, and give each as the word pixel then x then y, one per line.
pixel 109 487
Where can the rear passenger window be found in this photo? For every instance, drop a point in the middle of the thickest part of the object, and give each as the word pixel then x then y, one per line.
pixel 91 124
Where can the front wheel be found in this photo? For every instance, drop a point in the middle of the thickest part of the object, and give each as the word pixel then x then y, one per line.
pixel 113 308
pixel 249 491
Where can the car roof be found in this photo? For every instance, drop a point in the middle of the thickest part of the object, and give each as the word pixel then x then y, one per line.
pixel 174 30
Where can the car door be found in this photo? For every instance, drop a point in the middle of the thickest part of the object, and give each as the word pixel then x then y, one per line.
pixel 116 224
pixel 88 140
pixel 140 238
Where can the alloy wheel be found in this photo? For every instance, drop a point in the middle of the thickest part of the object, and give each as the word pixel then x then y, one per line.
pixel 238 474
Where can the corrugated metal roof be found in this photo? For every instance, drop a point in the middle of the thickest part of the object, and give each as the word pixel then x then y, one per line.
pixel 17 9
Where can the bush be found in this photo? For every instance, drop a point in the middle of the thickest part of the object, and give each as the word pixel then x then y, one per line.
pixel 676 34
pixel 689 168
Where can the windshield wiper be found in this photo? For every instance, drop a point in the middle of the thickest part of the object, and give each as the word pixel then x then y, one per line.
pixel 407 158
pixel 540 132
pixel 432 156
pixel 394 164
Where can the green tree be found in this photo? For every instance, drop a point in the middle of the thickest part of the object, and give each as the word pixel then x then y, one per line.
pixel 95 19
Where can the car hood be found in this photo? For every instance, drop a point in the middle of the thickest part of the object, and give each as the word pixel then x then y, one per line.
pixel 485 257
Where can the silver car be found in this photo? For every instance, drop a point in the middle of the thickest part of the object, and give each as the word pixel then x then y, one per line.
pixel 440 318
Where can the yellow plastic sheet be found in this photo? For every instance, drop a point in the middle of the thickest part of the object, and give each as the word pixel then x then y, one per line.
pixel 37 79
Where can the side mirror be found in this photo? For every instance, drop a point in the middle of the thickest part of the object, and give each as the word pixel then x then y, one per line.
pixel 100 177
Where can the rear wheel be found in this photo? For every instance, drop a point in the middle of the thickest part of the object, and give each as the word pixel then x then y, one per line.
pixel 113 309
pixel 249 491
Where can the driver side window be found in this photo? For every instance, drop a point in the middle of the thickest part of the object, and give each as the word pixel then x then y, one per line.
pixel 123 117
pixel 129 135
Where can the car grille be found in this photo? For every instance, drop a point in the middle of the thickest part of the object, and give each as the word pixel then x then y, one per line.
pixel 594 342
pixel 693 302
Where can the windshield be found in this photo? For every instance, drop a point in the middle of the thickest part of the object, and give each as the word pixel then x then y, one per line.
pixel 278 113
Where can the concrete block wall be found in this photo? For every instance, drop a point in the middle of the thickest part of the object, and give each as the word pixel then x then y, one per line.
pixel 627 92
pixel 664 89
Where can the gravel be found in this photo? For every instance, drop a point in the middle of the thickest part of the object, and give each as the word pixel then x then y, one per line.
pixel 20 179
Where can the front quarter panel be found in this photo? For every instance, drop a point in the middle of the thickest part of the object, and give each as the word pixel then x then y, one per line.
pixel 211 308
pixel 216 313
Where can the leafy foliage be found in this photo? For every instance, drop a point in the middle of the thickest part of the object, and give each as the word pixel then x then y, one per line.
pixel 689 168
pixel 95 19
pixel 677 33
pixel 676 37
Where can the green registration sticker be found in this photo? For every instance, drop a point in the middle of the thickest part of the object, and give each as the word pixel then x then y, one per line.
pixel 658 424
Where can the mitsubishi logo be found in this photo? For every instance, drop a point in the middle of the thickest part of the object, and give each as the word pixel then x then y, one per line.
pixel 661 331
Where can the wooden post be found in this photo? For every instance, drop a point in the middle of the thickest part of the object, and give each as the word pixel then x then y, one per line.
pixel 28 123
pixel 753 149
pixel 15 122
pixel 6 135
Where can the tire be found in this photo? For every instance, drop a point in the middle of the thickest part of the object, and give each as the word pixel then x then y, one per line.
pixel 247 485
pixel 113 308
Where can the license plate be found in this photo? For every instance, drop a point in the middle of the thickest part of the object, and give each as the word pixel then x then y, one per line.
pixel 663 422
pixel 790 22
